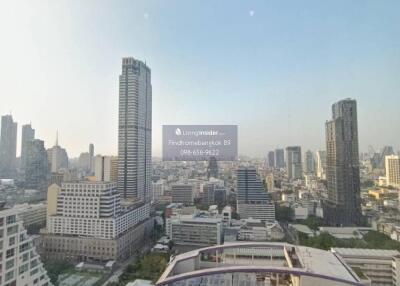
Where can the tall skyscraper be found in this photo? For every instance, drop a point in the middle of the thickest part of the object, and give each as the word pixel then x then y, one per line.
pixel 309 165
pixel 294 167
pixel 37 166
pixel 134 131
pixel 28 134
pixel 321 164
pixel 271 159
pixel 343 206
pixel 252 199
pixel 392 167
pixel 8 147
pixel 279 158
pixel 91 159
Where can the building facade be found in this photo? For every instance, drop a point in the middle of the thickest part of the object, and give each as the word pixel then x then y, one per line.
pixel 271 159
pixel 103 168
pixel 252 199
pixel 195 231
pixel 84 214
pixel 36 174
pixel 8 147
pixel 320 157
pixel 379 265
pixel 20 264
pixel 182 193
pixel 134 131
pixel 392 168
pixel 294 168
pixel 343 206
pixel 28 134
pixel 280 158
pixel 309 164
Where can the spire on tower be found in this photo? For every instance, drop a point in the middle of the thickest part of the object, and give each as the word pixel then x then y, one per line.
pixel 56 138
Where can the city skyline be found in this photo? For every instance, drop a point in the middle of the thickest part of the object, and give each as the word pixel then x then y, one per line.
pixel 284 86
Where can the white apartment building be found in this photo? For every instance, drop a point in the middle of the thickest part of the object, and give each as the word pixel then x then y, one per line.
pixel 392 167
pixel 194 231
pixel 19 262
pixel 92 211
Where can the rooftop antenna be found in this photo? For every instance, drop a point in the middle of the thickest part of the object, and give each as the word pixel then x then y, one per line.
pixel 56 138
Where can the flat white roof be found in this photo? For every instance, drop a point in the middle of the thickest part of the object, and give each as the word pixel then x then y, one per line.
pixel 302 228
pixel 323 262
pixel 365 252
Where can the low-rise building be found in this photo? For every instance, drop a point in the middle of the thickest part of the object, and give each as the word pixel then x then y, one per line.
pixel 377 264
pixel 195 231
pixel 32 214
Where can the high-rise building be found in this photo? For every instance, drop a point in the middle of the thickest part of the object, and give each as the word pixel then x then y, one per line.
pixel 36 173
pixel 392 167
pixel 279 158
pixel 134 132
pixel 87 221
pixel 58 157
pixel 271 159
pixel 84 162
pixel 212 168
pixel 103 168
pixel 91 160
pixel 252 199
pixel 114 169
pixel 309 165
pixel 321 164
pixel 343 206
pixel 28 134
pixel 293 162
pixel 20 264
pixel 8 147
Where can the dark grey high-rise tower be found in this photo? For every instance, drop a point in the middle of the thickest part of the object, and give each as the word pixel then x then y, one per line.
pixel 271 159
pixel 37 166
pixel 28 134
pixel 343 206
pixel 8 147
pixel 279 158
pixel 91 159
pixel 134 130
pixel 212 168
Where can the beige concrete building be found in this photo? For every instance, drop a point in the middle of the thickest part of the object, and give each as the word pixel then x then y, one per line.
pixel 88 222
pixel 392 167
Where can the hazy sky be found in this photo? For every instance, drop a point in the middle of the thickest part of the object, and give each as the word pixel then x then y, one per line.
pixel 272 67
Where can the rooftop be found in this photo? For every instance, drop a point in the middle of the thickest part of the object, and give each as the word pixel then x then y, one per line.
pixel 379 253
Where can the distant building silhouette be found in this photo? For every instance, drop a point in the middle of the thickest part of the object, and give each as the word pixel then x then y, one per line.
pixel 294 166
pixel 212 168
pixel 8 147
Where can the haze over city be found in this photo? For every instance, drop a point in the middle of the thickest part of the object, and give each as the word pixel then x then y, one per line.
pixel 272 67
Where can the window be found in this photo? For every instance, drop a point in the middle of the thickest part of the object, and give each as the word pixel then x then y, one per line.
pixel 9 264
pixel 10 253
pixel 11 241
pixel 11 219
